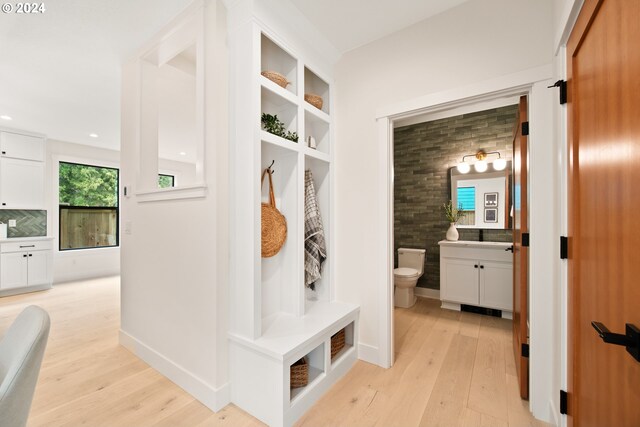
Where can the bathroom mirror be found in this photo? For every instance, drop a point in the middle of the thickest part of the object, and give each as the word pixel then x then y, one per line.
pixel 486 198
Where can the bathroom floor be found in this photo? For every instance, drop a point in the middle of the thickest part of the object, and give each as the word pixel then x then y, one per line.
pixel 451 369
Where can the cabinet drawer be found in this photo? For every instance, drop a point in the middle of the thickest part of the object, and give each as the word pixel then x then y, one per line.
pixel 19 146
pixel 38 245
pixel 489 254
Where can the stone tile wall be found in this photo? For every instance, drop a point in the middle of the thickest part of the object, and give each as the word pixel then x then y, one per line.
pixel 29 223
pixel 423 154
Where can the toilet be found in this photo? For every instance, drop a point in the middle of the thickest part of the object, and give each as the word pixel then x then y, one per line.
pixel 405 277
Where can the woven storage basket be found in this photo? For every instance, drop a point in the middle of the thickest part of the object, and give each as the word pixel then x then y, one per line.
pixel 274 224
pixel 337 343
pixel 299 373
pixel 313 99
pixel 277 78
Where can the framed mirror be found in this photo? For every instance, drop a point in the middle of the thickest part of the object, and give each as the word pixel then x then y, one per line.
pixel 485 197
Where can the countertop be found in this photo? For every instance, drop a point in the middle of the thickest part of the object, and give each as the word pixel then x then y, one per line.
pixel 25 239
pixel 471 244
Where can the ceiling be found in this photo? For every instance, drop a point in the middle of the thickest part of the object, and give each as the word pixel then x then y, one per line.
pixel 60 71
pixel 349 24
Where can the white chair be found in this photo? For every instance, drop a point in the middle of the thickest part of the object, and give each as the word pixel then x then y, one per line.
pixel 21 352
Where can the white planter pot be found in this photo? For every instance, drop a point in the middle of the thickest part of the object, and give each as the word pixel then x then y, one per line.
pixel 452 232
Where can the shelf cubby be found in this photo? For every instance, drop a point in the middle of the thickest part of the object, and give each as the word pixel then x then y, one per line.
pixel 317 86
pixel 316 362
pixel 317 128
pixel 281 269
pixel 275 58
pixel 320 171
pixel 274 104
pixel 349 334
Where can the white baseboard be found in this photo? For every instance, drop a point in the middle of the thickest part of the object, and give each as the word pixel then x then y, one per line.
pixel 427 293
pixel 214 398
pixel 368 353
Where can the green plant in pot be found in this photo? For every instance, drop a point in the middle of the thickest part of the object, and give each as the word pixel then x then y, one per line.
pixel 453 215
pixel 273 125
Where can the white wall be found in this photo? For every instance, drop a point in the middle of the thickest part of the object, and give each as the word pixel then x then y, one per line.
pixel 77 264
pixel 175 260
pixel 476 41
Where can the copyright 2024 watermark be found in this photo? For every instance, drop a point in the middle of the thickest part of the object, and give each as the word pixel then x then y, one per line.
pixel 23 8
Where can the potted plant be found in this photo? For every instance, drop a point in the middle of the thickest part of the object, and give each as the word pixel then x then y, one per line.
pixel 453 214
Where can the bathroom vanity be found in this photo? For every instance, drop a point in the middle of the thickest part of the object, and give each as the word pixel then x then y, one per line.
pixel 478 274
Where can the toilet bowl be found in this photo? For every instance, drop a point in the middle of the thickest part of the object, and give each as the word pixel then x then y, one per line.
pixel 405 277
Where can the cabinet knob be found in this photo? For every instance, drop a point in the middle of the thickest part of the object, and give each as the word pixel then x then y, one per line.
pixel 24 256
pixel 482 266
pixel 475 266
pixel 4 152
pixel 32 255
pixel 4 204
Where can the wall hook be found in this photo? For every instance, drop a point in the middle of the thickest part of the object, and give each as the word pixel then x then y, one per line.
pixel 272 171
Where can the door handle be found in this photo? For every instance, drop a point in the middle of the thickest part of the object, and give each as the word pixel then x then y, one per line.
pixel 630 340
pixel 509 249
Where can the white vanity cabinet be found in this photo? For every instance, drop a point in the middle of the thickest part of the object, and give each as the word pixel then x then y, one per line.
pixel 22 171
pixel 478 274
pixel 25 265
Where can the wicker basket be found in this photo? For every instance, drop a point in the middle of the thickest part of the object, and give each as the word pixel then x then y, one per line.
pixel 299 373
pixel 337 343
pixel 313 99
pixel 274 224
pixel 277 78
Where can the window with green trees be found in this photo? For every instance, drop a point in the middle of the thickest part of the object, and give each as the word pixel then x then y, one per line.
pixel 89 212
pixel 166 181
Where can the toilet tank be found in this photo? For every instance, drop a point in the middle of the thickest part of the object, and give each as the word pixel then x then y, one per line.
pixel 411 258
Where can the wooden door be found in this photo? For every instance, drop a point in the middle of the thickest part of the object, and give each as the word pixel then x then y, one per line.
pixel 603 67
pixel 520 252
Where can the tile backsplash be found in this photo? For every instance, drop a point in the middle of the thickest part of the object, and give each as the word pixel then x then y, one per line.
pixel 29 223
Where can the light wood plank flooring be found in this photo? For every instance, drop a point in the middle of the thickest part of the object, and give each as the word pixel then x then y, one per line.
pixel 452 369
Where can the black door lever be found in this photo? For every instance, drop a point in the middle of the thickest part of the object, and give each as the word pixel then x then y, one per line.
pixel 509 249
pixel 630 340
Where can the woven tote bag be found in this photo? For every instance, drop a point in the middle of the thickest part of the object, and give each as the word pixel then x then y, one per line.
pixel 274 224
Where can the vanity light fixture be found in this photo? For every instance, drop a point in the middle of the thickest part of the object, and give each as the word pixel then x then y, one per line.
pixel 481 164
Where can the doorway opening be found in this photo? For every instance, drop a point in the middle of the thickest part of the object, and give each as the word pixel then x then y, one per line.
pixel 533 84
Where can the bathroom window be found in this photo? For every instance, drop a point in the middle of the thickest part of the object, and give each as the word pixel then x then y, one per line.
pixel 466 198
pixel 89 211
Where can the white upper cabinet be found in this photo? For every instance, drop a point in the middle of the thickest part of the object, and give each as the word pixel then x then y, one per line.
pixel 21 171
pixel 21 184
pixel 18 146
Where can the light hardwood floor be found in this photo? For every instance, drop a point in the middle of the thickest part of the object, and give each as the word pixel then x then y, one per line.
pixel 452 369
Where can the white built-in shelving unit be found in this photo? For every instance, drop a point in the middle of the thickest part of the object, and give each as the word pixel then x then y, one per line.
pixel 275 320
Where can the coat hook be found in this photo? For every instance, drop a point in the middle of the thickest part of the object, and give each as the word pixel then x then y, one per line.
pixel 272 171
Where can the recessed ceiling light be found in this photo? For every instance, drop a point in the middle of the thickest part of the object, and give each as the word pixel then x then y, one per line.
pixel 182 153
pixel 93 135
pixel 6 118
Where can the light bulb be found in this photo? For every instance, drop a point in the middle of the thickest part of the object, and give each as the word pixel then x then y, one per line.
pixel 500 164
pixel 463 167
pixel 481 166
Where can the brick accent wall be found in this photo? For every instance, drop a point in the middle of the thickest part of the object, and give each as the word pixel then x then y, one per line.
pixel 423 154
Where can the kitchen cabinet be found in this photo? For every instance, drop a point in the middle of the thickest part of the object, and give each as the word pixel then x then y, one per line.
pixel 478 274
pixel 22 170
pixel 25 265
